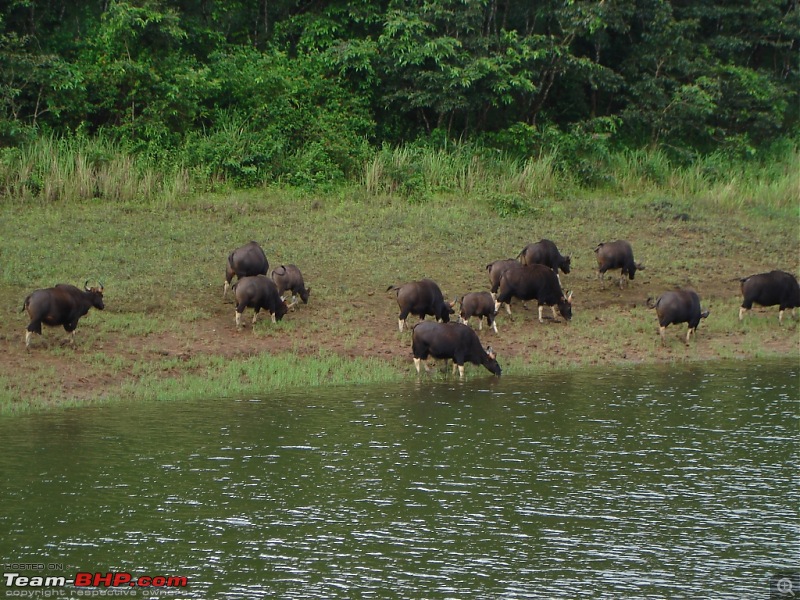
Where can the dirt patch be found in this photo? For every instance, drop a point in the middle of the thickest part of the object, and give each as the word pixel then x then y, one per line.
pixel 99 364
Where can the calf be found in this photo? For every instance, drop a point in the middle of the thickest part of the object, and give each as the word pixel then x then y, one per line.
pixel 258 292
pixel 247 261
pixel 421 298
pixel 479 304
pixel 63 304
pixel 535 282
pixel 616 255
pixel 679 306
pixel 451 341
pixel 769 289
pixel 544 252
pixel 289 278
pixel 496 270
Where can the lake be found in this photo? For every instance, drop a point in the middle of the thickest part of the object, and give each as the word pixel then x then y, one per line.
pixel 672 481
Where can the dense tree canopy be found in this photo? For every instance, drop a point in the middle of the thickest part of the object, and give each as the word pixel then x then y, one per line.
pixel 258 87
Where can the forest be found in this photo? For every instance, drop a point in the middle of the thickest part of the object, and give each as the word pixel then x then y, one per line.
pixel 250 92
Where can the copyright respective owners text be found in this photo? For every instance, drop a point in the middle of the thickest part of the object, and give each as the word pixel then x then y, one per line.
pixel 52 580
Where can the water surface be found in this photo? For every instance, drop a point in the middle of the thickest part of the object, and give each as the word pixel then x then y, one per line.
pixel 649 482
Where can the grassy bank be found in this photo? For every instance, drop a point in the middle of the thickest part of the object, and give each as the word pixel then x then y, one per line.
pixel 166 332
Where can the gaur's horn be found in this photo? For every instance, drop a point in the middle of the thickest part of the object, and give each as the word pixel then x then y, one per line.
pixel 86 285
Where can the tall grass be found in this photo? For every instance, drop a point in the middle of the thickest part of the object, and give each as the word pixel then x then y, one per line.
pixel 54 169
pixel 74 169
pixel 417 172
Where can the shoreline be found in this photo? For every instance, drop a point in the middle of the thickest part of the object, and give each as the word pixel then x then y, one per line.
pixel 167 333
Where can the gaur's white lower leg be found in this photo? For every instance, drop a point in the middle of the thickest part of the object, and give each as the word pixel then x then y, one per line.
pixel 400 324
pixel 494 326
pixel 225 287
pixel 662 331
pixel 238 319
pixel 28 336
pixel 780 316
pixel 460 370
pixel 541 320
pixel 417 362
pixel 689 334
pixel 742 311
pixel 553 308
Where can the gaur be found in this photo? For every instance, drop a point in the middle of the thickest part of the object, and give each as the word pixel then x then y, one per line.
pixel 769 289
pixel 258 292
pixel 679 306
pixel 289 278
pixel 63 304
pixel 247 261
pixel 481 305
pixel 544 252
pixel 535 282
pixel 423 297
pixel 444 341
pixel 616 255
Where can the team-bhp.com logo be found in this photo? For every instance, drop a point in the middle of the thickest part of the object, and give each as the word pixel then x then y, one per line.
pixel 95 580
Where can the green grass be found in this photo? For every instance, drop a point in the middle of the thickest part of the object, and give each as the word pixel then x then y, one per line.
pixel 220 378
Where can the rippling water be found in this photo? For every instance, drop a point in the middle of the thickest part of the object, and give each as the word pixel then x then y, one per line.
pixel 668 482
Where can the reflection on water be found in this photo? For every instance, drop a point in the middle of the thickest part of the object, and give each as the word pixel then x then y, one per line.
pixel 669 482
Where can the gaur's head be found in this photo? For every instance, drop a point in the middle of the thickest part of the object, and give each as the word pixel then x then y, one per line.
pixel 282 309
pixel 565 306
pixel 95 295
pixel 491 362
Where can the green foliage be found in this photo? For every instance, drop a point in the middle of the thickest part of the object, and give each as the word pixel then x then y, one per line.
pixel 510 205
pixel 249 93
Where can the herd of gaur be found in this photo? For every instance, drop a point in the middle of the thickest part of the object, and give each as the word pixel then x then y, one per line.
pixel 532 275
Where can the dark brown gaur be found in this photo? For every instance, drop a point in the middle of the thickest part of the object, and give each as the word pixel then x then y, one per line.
pixel 481 305
pixel 535 282
pixel 258 292
pixel 616 255
pixel 63 304
pixel 496 270
pixel 769 289
pixel 544 252
pixel 423 297
pixel 678 306
pixel 445 341
pixel 288 278
pixel 246 261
